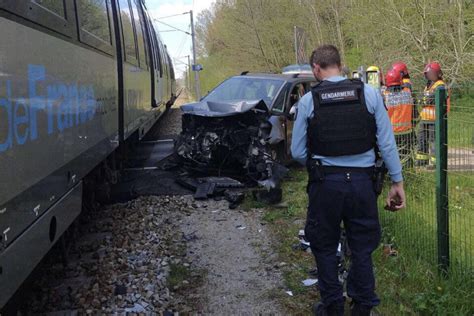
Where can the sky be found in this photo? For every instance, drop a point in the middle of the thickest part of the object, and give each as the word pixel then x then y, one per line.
pixel 178 43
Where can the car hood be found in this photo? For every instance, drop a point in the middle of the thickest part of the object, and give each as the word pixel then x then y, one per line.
pixel 222 109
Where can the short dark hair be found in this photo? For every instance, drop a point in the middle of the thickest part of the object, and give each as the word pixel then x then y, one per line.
pixel 325 56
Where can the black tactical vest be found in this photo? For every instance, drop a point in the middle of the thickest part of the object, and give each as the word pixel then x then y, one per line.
pixel 341 124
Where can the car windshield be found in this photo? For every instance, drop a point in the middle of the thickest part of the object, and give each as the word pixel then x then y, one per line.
pixel 246 89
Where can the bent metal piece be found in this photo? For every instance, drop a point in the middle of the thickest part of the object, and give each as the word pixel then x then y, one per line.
pixel 229 139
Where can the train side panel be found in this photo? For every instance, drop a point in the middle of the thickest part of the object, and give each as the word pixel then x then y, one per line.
pixel 72 86
pixel 58 116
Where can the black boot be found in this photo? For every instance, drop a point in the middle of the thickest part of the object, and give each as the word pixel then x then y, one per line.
pixel 336 309
pixel 360 310
pixel 319 310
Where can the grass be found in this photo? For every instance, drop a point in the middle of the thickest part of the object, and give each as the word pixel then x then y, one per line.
pixel 461 122
pixel 408 284
pixel 178 273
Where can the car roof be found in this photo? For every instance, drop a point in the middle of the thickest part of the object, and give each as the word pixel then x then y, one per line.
pixel 285 77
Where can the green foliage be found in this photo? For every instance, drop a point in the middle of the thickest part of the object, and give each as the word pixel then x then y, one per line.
pixel 411 286
pixel 257 35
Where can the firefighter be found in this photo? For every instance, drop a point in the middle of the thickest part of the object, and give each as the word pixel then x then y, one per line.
pixel 402 68
pixel 374 77
pixel 338 125
pixel 399 102
pixel 426 130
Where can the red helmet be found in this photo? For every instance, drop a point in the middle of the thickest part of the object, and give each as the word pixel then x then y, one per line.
pixel 435 67
pixel 393 78
pixel 401 67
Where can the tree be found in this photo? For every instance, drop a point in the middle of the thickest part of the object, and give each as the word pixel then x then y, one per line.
pixel 257 35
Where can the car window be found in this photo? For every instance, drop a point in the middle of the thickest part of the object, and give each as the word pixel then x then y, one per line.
pixel 241 88
pixel 279 105
pixel 297 92
pixel 308 85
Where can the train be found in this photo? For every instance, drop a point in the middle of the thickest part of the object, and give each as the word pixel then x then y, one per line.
pixel 79 80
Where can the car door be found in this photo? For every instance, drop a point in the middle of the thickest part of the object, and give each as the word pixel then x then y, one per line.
pixel 295 93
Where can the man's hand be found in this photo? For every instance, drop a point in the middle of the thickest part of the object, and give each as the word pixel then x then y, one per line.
pixel 396 197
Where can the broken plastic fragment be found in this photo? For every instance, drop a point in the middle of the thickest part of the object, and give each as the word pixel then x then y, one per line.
pixel 310 282
pixel 389 250
pixel 290 293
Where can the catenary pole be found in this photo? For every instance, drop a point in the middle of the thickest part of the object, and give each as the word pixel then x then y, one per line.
pixel 196 71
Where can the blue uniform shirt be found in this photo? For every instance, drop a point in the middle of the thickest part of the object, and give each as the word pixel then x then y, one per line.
pixel 385 137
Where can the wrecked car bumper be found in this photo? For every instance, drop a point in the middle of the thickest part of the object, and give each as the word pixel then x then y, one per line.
pixel 231 139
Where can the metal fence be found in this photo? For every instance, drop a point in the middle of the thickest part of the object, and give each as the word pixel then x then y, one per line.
pixel 438 161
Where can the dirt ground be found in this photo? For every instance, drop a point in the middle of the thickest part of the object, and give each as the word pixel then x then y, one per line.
pixel 234 248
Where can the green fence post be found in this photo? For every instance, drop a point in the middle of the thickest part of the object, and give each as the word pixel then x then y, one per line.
pixel 442 214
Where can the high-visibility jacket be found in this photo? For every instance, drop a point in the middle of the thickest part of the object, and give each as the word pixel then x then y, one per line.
pixel 399 104
pixel 428 113
pixel 406 83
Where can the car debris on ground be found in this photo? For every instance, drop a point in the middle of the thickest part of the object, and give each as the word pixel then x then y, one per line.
pixel 310 282
pixel 230 140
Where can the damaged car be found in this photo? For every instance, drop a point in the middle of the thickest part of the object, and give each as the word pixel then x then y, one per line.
pixel 242 128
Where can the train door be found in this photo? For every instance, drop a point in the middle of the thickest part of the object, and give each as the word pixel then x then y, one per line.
pixel 134 76
pixel 151 51
pixel 158 96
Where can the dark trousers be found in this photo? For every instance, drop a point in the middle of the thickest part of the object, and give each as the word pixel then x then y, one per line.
pixel 426 140
pixel 348 198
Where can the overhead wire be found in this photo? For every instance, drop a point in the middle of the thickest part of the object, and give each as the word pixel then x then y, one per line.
pixel 180 50
pixel 170 16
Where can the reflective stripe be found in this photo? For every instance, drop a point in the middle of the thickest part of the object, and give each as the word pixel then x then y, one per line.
pixel 400 109
pixel 422 156
pixel 402 124
pixel 428 113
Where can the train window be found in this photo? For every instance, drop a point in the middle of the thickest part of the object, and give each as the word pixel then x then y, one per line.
pixel 51 14
pixel 56 6
pixel 172 74
pixel 94 19
pixel 158 64
pixel 153 47
pixel 127 32
pixel 162 60
pixel 140 32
